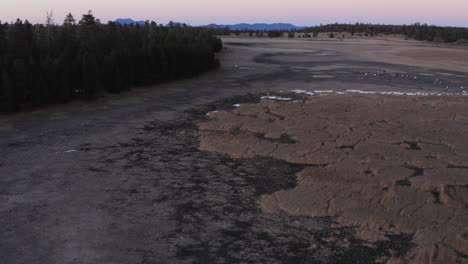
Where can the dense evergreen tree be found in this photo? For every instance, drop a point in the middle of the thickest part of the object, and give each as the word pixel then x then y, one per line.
pixel 416 31
pixel 275 33
pixel 69 20
pixel 42 64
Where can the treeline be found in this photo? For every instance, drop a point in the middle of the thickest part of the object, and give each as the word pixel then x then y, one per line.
pixel 43 64
pixel 416 31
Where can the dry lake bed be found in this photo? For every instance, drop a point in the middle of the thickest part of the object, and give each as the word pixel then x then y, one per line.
pixel 295 151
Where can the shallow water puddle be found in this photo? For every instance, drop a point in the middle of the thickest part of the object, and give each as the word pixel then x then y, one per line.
pixel 377 92
pixel 275 98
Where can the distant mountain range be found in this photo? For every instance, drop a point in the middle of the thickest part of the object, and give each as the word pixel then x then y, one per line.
pixel 242 26
pixel 127 21
pixel 257 26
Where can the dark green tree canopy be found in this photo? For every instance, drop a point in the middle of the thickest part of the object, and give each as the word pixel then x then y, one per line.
pixel 43 64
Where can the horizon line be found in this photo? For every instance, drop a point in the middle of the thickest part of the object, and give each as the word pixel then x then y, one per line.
pixel 251 23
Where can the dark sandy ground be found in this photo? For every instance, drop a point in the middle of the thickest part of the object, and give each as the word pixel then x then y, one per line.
pixel 122 179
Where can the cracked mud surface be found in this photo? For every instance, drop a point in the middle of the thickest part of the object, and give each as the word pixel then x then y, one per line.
pixel 400 170
pixel 214 201
pixel 205 212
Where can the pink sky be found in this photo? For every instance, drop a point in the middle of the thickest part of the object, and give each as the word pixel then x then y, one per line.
pixel 299 12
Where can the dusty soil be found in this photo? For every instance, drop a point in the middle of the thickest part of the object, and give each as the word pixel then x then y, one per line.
pixel 439 57
pixel 122 179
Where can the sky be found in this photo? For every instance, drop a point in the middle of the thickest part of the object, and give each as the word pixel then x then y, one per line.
pixel 201 12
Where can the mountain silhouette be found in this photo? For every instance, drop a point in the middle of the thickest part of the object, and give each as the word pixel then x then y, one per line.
pixel 241 26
